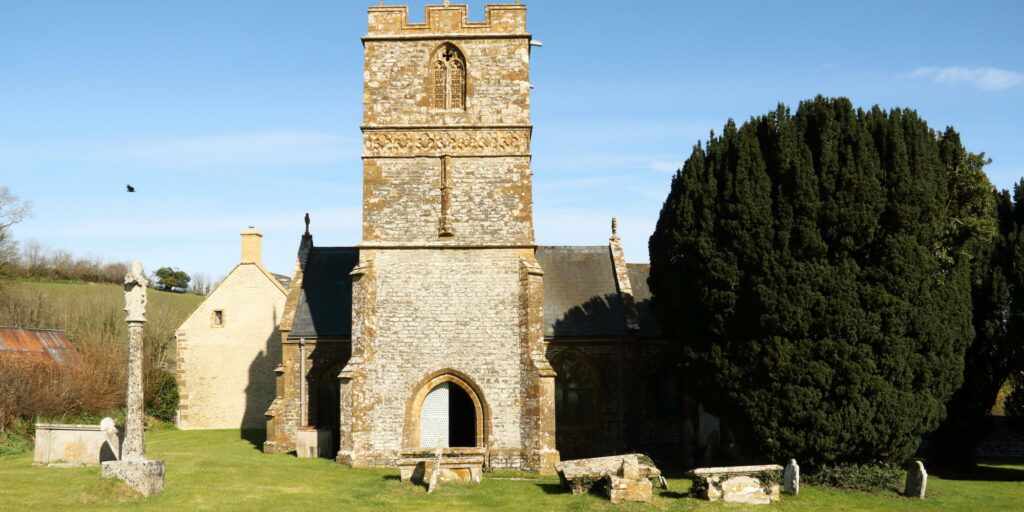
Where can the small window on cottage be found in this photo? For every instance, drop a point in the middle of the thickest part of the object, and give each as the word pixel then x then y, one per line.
pixel 218 318
pixel 448 78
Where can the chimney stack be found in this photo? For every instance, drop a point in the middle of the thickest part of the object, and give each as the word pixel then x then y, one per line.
pixel 252 246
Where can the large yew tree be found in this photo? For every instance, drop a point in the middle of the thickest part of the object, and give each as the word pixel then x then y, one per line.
pixel 816 269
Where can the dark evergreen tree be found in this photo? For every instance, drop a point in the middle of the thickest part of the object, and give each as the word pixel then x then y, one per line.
pixel 815 268
pixel 997 293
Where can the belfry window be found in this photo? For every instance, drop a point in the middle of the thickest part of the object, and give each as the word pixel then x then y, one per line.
pixel 448 78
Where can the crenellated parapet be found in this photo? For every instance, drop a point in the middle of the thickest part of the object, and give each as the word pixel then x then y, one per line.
pixel 501 19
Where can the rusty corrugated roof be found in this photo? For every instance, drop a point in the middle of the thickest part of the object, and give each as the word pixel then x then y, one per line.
pixel 49 344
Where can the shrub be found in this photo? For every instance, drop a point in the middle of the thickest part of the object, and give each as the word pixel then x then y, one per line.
pixel 815 268
pixel 859 477
pixel 164 402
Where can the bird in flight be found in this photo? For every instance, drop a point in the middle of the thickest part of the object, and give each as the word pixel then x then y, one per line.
pixel 131 188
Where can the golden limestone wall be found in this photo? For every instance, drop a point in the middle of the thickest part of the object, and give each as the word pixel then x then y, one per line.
pixel 226 373
pixel 447 286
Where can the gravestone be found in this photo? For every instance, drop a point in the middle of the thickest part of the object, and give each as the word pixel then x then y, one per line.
pixel 917 481
pixel 791 478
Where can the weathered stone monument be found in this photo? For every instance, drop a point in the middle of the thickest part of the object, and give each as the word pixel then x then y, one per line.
pixel 791 478
pixel 917 481
pixel 76 445
pixel 621 477
pixel 145 476
pixel 753 485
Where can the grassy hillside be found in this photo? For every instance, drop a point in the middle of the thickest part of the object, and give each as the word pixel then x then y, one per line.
pixel 94 318
pixel 93 314
pixel 219 471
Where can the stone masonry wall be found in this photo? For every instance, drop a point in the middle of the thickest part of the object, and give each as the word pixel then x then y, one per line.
pixel 225 374
pixel 397 71
pixel 490 200
pixel 439 310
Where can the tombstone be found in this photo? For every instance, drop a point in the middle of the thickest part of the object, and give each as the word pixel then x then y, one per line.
pixel 145 476
pixel 109 429
pixel 791 478
pixel 917 481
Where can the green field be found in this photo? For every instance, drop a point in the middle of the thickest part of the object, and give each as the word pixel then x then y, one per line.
pixel 218 470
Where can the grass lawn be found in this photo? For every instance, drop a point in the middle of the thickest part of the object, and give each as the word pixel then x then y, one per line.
pixel 218 470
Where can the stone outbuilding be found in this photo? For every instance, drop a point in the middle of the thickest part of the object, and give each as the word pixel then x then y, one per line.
pixel 229 346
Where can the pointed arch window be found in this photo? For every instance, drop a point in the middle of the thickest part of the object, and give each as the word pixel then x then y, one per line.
pixel 576 389
pixel 448 78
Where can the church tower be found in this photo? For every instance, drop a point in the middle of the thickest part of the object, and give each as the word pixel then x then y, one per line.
pixel 447 316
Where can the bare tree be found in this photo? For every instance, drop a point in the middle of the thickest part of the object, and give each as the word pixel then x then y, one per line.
pixel 201 284
pixel 12 211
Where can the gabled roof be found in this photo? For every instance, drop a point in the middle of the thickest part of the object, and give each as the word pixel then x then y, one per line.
pixel 324 307
pixel 638 274
pixel 581 298
pixel 48 344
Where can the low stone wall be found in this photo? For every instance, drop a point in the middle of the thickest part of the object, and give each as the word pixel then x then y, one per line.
pixel 72 445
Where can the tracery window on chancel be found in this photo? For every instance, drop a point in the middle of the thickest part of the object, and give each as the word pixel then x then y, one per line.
pixel 448 78
pixel 575 392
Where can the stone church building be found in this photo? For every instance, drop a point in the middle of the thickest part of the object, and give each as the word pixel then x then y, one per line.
pixel 447 324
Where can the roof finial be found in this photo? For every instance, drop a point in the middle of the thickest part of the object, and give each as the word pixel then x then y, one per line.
pixel 307 223
pixel 446 3
pixel 615 226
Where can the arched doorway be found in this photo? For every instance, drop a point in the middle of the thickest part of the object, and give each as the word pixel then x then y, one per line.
pixel 447 418
pixel 447 409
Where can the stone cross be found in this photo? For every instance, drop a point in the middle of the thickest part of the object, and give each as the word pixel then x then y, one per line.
pixel 135 284
pixel 917 481
pixel 791 478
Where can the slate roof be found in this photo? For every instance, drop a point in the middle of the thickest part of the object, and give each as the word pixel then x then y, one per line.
pixel 638 273
pixel 581 298
pixel 580 295
pixel 36 343
pixel 285 281
pixel 325 304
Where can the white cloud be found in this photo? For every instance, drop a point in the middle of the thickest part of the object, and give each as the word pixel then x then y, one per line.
pixel 989 79
pixel 665 165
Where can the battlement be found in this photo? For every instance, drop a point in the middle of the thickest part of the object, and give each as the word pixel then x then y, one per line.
pixel 501 19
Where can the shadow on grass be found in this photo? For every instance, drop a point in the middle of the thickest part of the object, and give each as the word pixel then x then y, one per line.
pixel 391 477
pixel 984 473
pixel 255 438
pixel 551 488
pixel 674 494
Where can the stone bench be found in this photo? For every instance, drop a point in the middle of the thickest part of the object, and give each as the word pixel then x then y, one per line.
pixel 457 465
pixel 737 484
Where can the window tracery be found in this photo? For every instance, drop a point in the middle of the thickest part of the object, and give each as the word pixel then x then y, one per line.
pixel 448 78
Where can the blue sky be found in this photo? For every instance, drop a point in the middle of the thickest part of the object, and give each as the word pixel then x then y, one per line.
pixel 228 114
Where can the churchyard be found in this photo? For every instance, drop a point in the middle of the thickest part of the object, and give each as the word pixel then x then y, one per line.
pixel 220 470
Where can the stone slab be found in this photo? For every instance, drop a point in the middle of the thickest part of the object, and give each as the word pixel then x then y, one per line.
pixel 737 484
pixel 627 489
pixel 72 445
pixel 313 443
pixel 145 476
pixel 580 475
